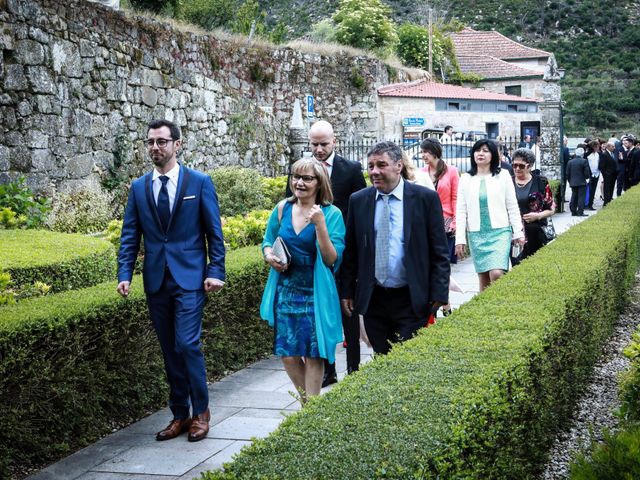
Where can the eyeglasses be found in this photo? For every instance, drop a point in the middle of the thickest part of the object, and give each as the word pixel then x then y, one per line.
pixel 519 166
pixel 304 178
pixel 161 142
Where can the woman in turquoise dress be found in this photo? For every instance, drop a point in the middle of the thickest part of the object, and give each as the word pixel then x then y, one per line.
pixel 487 213
pixel 300 299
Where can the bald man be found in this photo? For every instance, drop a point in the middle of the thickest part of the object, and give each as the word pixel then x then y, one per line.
pixel 346 178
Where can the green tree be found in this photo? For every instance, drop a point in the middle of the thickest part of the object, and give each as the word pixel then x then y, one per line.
pixel 249 14
pixel 157 6
pixel 365 24
pixel 209 14
pixel 323 31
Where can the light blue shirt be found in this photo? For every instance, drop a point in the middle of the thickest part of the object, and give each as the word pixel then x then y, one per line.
pixel 397 271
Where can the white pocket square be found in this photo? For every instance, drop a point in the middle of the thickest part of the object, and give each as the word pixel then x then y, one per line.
pixel 190 197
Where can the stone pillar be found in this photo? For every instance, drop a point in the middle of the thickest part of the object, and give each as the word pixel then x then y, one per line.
pixel 298 134
pixel 550 112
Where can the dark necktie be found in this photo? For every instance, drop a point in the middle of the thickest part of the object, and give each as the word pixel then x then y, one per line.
pixel 164 210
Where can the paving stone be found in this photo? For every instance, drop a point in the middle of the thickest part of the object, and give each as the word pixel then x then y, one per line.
pixel 80 462
pixel 271 363
pixel 122 476
pixel 173 457
pixel 156 422
pixel 215 462
pixel 249 399
pixel 244 428
pixel 263 413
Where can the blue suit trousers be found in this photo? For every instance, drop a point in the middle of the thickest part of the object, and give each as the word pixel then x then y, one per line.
pixel 176 315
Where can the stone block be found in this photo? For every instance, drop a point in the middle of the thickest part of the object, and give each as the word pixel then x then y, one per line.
pixel 172 98
pixel 66 58
pixel 152 78
pixel 149 96
pixel 20 159
pixel 15 78
pixel 41 80
pixel 29 52
pixel 24 108
pixel 197 114
pixel 43 160
pixel 90 92
pixel 5 154
pixel 8 118
pixel 43 103
pixel 36 139
pixel 117 90
pixel 80 166
pixel 14 138
pixel 209 101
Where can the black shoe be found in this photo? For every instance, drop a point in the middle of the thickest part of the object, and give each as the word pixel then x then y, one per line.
pixel 582 215
pixel 350 370
pixel 329 376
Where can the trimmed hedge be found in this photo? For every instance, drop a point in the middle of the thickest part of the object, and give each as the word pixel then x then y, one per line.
pixel 74 365
pixel 480 394
pixel 63 261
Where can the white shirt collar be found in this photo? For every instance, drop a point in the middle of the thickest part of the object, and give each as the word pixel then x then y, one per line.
pixel 173 174
pixel 397 192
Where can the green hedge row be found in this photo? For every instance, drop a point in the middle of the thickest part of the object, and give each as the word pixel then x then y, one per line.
pixel 480 394
pixel 74 365
pixel 63 261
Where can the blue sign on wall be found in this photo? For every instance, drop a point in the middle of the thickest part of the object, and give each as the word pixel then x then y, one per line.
pixel 311 109
pixel 413 122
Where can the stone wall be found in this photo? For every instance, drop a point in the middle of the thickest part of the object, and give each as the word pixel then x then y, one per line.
pixel 80 82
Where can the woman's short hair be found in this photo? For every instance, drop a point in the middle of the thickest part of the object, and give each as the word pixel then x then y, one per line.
pixel 304 166
pixel 433 146
pixel 525 154
pixel 494 166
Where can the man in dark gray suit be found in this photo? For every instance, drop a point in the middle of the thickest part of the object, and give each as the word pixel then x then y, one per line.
pixel 395 269
pixel 578 174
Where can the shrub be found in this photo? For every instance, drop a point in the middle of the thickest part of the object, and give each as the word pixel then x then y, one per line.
pixel 413 46
pixel 480 395
pixel 81 212
pixel 239 189
pixel 273 190
pixel 365 24
pixel 30 212
pixel 63 261
pixel 630 383
pixel 617 458
pixel 244 230
pixel 67 359
pixel 209 14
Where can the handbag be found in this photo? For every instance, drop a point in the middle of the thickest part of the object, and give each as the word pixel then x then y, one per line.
pixel 280 250
pixel 549 230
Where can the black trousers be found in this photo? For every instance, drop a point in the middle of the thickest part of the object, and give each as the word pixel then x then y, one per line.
pixel 609 183
pixel 576 205
pixel 390 318
pixel 593 184
pixel 620 179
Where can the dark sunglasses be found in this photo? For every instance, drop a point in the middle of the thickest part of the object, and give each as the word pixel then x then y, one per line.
pixel 519 166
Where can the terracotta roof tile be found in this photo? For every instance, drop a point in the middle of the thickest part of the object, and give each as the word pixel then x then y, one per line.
pixel 426 89
pixel 473 42
pixel 489 67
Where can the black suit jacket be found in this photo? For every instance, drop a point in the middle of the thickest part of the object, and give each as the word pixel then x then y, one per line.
pixel 426 253
pixel 607 164
pixel 346 178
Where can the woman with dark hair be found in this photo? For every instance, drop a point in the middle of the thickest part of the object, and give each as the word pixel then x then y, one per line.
pixel 300 298
pixel 487 210
pixel 534 200
pixel 445 180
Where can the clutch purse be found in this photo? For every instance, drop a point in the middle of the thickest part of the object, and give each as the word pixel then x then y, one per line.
pixel 280 250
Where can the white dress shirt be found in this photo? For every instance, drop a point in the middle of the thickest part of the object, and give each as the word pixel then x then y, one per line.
pixel 397 271
pixel 172 184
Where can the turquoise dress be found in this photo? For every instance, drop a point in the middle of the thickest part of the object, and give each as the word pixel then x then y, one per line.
pixel 295 333
pixel 326 304
pixel 490 247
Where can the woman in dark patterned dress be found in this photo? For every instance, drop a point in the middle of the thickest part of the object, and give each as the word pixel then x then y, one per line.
pixel 300 299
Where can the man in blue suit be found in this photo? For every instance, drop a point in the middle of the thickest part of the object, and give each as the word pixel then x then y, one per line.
pixel 175 209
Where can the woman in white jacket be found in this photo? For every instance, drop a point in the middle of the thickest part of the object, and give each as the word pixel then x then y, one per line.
pixel 487 211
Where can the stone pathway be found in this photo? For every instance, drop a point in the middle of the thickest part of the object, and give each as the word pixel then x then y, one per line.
pixel 248 404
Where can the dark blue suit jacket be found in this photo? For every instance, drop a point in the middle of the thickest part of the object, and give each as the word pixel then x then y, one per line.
pixel 193 235
pixel 426 252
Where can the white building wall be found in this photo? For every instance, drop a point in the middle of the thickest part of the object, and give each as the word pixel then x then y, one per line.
pixel 531 87
pixel 536 64
pixel 392 110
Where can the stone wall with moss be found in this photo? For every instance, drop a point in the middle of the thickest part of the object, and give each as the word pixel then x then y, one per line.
pixel 79 82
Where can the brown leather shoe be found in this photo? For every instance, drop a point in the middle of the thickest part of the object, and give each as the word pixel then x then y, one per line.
pixel 199 426
pixel 175 428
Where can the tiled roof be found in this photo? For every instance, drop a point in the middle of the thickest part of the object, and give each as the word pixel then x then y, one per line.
pixel 472 42
pixel 425 89
pixel 489 67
